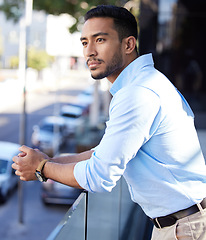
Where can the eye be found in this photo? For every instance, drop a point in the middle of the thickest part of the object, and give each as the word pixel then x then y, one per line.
pixel 100 40
pixel 84 43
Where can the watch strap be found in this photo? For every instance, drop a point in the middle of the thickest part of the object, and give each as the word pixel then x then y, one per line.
pixel 41 165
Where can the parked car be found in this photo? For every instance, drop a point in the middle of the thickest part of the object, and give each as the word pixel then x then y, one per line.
pixel 49 135
pixel 8 179
pixel 86 97
pixel 56 193
pixel 83 106
pixel 73 116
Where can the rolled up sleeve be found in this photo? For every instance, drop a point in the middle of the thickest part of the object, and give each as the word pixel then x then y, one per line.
pixel 128 128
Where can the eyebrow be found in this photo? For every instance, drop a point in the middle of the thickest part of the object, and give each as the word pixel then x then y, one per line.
pixel 95 35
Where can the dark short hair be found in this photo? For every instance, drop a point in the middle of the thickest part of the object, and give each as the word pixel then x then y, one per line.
pixel 124 21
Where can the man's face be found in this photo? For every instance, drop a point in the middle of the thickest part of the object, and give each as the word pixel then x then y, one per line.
pixel 102 48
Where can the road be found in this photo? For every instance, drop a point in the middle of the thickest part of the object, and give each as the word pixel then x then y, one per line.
pixel 38 220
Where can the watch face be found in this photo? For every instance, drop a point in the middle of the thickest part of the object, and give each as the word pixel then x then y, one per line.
pixel 39 176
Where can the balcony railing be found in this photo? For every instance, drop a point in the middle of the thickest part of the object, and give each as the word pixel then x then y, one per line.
pixel 110 216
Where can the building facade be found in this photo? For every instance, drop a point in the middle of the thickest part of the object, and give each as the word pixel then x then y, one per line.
pixel 174 31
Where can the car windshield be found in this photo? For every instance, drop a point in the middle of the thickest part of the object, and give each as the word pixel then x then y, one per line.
pixel 48 128
pixel 3 166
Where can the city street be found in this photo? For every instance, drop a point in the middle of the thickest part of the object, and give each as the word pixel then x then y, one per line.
pixel 38 220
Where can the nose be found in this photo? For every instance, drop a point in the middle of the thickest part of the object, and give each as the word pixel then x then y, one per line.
pixel 90 50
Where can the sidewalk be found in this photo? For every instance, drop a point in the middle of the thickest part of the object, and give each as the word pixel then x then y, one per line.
pixel 11 90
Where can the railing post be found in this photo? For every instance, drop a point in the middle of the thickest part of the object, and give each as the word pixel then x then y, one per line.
pixel 86 215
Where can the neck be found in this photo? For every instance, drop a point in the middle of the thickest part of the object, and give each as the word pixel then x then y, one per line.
pixel 111 78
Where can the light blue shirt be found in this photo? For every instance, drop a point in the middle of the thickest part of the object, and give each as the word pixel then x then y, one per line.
pixel 151 140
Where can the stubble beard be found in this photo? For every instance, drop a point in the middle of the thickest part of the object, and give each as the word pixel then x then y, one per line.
pixel 114 65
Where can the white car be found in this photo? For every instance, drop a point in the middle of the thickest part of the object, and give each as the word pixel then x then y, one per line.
pixel 86 97
pixel 8 179
pixel 49 135
pixel 73 116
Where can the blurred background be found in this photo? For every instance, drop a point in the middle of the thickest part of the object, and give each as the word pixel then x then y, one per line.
pixel 49 101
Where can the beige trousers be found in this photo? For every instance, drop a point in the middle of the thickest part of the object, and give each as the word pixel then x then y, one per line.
pixel 192 227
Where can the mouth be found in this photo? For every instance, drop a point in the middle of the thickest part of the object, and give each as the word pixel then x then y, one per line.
pixel 93 64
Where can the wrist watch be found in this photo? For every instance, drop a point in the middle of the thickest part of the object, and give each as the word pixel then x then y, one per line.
pixel 39 174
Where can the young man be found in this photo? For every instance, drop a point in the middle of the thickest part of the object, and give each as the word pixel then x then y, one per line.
pixel 150 137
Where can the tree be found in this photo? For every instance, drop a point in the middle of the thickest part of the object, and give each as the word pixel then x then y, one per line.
pixel 76 8
pixel 12 8
pixel 39 59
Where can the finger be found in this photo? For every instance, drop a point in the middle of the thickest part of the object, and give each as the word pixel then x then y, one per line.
pixel 24 149
pixel 18 173
pixel 22 154
pixel 15 166
pixel 24 179
pixel 15 159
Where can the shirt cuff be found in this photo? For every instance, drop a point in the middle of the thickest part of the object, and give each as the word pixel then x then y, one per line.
pixel 80 174
pixel 94 148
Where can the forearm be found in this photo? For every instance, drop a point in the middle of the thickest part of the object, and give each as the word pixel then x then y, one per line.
pixel 72 158
pixel 61 169
pixel 62 173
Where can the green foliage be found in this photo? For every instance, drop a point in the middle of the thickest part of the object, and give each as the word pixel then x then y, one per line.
pixel 76 8
pixel 14 62
pixel 39 59
pixel 13 9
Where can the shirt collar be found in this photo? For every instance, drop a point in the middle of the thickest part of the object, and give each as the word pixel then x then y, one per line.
pixel 128 74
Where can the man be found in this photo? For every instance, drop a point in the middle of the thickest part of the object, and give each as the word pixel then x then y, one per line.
pixel 150 137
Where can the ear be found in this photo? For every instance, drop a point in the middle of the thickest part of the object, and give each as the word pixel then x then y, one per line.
pixel 130 43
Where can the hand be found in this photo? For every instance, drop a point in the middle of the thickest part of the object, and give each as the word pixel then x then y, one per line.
pixel 27 162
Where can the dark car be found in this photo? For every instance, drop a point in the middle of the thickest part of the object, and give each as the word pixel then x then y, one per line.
pixel 56 193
